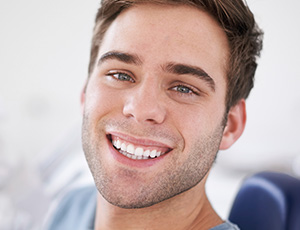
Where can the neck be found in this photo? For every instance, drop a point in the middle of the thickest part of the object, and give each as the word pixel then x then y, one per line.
pixel 189 210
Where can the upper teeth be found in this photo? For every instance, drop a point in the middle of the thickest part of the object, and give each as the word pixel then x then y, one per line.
pixel 133 152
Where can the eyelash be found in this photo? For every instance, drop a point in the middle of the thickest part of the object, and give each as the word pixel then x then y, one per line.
pixel 125 75
pixel 192 90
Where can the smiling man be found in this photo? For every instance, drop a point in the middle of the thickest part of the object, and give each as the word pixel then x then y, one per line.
pixel 166 91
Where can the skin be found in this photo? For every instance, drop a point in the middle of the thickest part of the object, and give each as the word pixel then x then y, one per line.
pixel 147 96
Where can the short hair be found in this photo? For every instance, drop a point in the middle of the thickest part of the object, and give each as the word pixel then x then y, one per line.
pixel 234 17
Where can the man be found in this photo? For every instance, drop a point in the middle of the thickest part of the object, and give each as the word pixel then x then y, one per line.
pixel 166 90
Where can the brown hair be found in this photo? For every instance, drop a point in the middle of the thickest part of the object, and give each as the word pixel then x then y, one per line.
pixel 234 16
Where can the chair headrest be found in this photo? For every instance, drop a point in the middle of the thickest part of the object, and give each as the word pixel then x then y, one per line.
pixel 267 200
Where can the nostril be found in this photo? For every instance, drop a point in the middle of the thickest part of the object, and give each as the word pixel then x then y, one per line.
pixel 151 120
pixel 144 108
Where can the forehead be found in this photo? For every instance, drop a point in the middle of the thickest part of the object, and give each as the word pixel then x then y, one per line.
pixel 169 33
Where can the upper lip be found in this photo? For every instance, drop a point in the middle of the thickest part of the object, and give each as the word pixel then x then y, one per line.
pixel 140 141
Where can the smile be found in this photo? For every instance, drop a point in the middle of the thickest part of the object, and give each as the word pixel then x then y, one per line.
pixel 137 152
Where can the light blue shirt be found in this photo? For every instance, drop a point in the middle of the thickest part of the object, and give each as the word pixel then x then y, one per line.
pixel 226 226
pixel 77 210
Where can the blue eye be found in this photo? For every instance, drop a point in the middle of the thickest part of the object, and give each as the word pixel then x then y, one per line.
pixel 122 77
pixel 183 89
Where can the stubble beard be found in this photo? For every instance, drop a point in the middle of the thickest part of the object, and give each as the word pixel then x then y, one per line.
pixel 173 180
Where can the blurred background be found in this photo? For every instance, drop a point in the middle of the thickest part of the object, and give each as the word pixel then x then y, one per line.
pixel 44 52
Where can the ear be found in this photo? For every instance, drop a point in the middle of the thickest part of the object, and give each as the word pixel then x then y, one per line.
pixel 82 96
pixel 235 125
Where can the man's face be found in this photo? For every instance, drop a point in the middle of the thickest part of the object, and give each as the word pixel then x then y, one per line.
pixel 154 105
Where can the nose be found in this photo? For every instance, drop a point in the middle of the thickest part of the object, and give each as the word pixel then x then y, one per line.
pixel 145 104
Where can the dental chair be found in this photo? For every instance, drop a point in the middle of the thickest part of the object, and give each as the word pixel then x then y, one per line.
pixel 267 201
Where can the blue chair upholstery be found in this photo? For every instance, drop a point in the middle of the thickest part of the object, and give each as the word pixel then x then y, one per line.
pixel 267 201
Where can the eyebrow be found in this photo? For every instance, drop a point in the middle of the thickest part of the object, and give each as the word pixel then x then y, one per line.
pixel 182 69
pixel 174 68
pixel 120 56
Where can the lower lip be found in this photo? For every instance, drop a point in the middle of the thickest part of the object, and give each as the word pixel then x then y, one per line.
pixel 132 162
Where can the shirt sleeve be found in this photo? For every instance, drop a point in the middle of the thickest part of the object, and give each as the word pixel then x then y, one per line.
pixel 75 211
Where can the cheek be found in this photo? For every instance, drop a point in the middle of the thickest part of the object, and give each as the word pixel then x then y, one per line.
pixel 99 100
pixel 191 120
pixel 196 123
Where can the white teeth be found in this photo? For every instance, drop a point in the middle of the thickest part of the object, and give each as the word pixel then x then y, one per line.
pixel 123 147
pixel 146 153
pixel 153 154
pixel 135 152
pixel 118 145
pixel 130 149
pixel 138 152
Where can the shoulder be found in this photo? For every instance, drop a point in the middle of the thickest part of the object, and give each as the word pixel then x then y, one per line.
pixel 75 210
pixel 226 226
